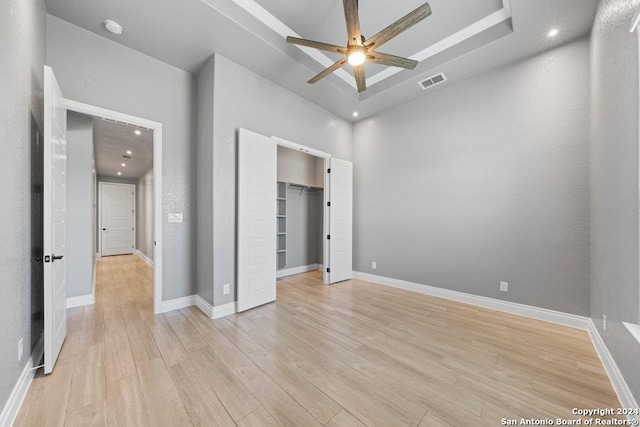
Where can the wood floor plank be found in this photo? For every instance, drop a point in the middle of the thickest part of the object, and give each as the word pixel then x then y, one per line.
pixel 344 419
pixel 88 384
pixel 119 361
pixel 161 396
pixel 125 403
pixel 90 415
pixel 282 407
pixel 200 401
pixel 168 344
pixel 258 418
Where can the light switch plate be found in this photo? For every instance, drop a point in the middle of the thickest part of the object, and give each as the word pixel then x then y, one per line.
pixel 504 286
pixel 174 217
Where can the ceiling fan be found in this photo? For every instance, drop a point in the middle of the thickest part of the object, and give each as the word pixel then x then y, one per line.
pixel 360 50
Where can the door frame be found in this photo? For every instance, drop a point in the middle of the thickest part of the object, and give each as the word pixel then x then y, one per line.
pixel 325 194
pixel 156 127
pixel 135 226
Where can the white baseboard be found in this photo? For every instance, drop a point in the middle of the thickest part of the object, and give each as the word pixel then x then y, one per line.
pixel 296 270
pixel 144 257
pixel 81 300
pixel 224 310
pixel 12 407
pixel 573 320
pixel 617 380
pixel 176 304
pixel 204 306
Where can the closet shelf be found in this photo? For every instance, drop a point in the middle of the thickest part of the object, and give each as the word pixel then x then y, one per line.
pixel 281 250
pixel 282 216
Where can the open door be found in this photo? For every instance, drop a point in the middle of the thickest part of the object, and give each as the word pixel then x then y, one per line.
pixel 55 165
pixel 340 221
pixel 257 176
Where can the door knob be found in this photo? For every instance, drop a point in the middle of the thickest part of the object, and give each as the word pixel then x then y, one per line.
pixel 56 257
pixel 104 229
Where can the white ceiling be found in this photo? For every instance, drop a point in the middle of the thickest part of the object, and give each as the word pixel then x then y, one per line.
pixel 112 141
pixel 462 39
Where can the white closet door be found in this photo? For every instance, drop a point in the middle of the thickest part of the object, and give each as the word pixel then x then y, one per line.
pixel 55 213
pixel 340 221
pixel 257 187
pixel 117 218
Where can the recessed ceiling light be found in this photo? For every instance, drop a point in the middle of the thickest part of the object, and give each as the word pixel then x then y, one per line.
pixel 113 27
pixel 355 114
pixel 553 32
pixel 124 164
pixel 119 173
pixel 129 152
pixel 137 132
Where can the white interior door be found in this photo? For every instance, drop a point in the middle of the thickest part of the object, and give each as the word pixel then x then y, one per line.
pixel 257 176
pixel 55 165
pixel 340 221
pixel 117 216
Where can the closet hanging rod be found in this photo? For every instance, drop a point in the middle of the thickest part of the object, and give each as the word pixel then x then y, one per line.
pixel 304 186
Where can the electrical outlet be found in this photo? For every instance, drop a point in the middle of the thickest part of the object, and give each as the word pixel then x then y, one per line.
pixel 225 289
pixel 504 286
pixel 604 322
pixel 374 265
pixel 20 349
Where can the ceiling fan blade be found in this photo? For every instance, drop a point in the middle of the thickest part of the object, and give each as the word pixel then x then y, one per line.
pixel 392 60
pixel 399 26
pixel 328 71
pixel 353 22
pixel 358 70
pixel 317 45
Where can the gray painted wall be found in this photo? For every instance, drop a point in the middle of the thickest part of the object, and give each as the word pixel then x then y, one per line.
pixel 22 49
pixel 80 233
pixel 204 239
pixel 144 214
pixel 304 227
pixel 245 99
pixel 97 71
pixel 615 284
pixel 482 182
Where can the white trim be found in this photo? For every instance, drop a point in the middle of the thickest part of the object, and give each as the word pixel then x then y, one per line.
pixel 144 257
pixel 176 304
pixel 444 44
pixel 617 380
pixel 575 321
pixel 634 23
pixel 204 306
pixel 296 270
pixel 16 398
pixel 634 329
pixel 466 33
pixel 81 301
pixel 101 185
pixel 224 310
pixel 156 127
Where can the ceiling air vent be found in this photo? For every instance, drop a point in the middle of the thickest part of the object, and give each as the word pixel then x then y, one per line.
pixel 432 81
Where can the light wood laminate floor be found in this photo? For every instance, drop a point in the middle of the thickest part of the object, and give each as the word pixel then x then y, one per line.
pixel 350 354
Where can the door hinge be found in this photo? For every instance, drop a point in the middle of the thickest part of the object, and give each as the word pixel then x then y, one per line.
pixel 328 236
pixel 328 203
pixel 328 270
pixel 329 170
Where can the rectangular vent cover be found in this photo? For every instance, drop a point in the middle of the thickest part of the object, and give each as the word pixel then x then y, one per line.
pixel 432 81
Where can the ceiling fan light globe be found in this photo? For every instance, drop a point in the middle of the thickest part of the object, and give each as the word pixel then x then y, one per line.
pixel 356 58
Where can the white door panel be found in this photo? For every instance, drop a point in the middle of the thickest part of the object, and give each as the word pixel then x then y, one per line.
pixel 257 181
pixel 340 221
pixel 55 165
pixel 117 218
